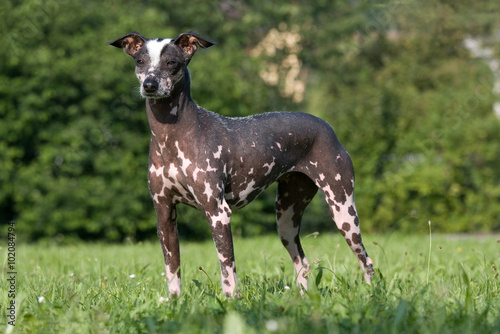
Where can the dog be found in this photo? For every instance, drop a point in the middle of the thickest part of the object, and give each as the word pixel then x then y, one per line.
pixel 220 164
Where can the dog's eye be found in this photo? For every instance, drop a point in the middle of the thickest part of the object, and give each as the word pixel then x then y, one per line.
pixel 171 62
pixel 139 62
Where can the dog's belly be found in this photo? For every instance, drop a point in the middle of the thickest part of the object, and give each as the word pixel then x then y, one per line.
pixel 248 182
pixel 262 148
pixel 241 196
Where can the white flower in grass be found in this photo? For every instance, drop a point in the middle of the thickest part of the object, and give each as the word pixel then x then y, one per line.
pixel 132 276
pixel 287 287
pixel 41 299
pixel 272 325
pixel 163 300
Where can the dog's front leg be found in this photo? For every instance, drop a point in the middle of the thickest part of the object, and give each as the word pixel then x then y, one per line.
pixel 219 218
pixel 169 240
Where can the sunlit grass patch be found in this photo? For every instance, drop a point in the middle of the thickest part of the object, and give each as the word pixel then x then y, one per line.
pixel 97 288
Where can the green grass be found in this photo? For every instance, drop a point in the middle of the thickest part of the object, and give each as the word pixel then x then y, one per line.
pixel 87 288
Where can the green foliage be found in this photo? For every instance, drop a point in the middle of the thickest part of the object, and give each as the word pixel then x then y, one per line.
pixel 88 288
pixel 426 109
pixel 393 78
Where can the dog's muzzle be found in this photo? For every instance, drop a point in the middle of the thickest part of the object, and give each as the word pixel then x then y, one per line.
pixel 150 86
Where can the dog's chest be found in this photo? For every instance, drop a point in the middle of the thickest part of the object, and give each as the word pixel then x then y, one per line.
pixel 175 172
pixel 197 174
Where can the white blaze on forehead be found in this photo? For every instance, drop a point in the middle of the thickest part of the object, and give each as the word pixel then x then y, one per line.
pixel 154 48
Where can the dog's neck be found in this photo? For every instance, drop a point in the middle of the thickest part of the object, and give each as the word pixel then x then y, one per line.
pixel 174 108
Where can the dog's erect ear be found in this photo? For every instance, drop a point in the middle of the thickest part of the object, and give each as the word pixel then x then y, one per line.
pixel 189 42
pixel 130 43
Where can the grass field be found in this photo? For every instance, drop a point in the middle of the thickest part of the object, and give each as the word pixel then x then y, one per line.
pixel 98 288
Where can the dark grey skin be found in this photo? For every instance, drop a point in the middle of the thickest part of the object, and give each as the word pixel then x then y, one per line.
pixel 219 164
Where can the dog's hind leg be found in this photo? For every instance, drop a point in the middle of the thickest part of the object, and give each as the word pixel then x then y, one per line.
pixel 347 221
pixel 338 189
pixel 295 192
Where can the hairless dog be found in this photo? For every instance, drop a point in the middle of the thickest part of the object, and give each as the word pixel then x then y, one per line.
pixel 219 164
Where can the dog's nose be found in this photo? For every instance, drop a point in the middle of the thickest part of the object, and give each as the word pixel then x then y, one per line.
pixel 150 85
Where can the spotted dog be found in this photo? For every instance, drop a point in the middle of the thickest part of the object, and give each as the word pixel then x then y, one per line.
pixel 219 164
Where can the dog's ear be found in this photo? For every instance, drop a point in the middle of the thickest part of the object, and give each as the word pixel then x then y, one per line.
pixel 130 43
pixel 189 42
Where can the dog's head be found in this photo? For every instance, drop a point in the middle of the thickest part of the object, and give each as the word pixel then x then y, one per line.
pixel 160 63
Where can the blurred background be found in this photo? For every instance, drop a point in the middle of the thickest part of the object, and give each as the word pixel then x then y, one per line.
pixel 412 89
